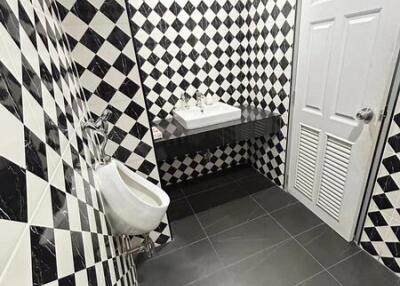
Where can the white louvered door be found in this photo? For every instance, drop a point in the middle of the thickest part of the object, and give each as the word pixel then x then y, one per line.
pixel 347 52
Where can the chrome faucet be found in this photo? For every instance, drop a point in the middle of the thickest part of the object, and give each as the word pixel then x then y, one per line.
pixel 100 127
pixel 200 100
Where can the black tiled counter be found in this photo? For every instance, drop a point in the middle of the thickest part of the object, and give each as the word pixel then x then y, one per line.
pixel 177 140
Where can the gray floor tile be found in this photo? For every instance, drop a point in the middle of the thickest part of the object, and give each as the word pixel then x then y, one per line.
pixel 296 218
pixel 215 197
pixel 205 183
pixel 321 279
pixel 220 278
pixel 363 270
pixel 254 184
pixel 179 209
pixel 184 231
pixel 230 214
pixel 247 239
pixel 283 265
pixel 274 198
pixel 180 267
pixel 322 240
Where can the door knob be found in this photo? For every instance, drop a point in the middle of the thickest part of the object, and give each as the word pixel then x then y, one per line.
pixel 365 114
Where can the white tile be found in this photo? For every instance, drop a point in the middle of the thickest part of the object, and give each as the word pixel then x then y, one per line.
pixel 36 187
pixel 12 147
pixel 43 215
pixel 19 267
pixel 100 275
pixel 65 260
pixel 88 248
pixel 10 54
pixel 81 278
pixel 73 213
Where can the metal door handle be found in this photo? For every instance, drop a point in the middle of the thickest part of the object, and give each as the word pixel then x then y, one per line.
pixel 365 114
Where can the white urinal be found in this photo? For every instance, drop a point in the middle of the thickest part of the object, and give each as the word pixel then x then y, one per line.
pixel 133 204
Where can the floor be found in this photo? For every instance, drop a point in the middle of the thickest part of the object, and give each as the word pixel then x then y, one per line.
pixel 237 228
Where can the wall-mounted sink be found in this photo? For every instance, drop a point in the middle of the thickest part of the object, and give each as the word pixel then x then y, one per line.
pixel 196 117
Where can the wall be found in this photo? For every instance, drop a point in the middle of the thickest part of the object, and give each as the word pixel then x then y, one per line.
pixel 381 232
pixel 240 51
pixel 102 48
pixel 53 227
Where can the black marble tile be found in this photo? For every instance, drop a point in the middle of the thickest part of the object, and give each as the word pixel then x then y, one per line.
pixel 9 21
pixel 13 192
pixel 91 39
pixel 10 93
pixel 35 155
pixel 69 179
pixel 78 251
pixel 124 64
pixel 129 88
pixel 92 276
pixel 98 222
pixel 43 251
pixel 84 10
pixel 217 196
pixel 96 247
pixel 118 38
pixel 60 208
pixel 31 81
pixel 138 130
pixel 52 136
pixel 83 215
pixel 67 281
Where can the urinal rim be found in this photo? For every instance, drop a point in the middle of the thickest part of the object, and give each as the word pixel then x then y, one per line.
pixel 165 200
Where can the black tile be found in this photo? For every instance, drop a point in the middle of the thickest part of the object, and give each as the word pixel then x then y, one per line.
pixel 9 21
pixel 92 276
pixel 392 164
pixel 274 199
pixel 230 214
pixel 246 239
pixel 60 208
pixel 206 183
pixel 181 266
pixel 44 262
pixel 255 184
pixel 96 247
pixel 118 38
pixel 98 66
pixel 285 264
pixel 215 197
pixel 106 271
pixel 69 179
pixel 296 218
pixel 35 155
pixel 78 251
pixel 67 281
pixel 105 91
pixel 122 154
pixel 13 193
pixel 52 136
pixel 91 39
pixel 142 149
pixel 31 81
pixel 179 209
pixel 321 279
pixel 83 215
pixel 322 240
pixel 124 64
pixel 363 269
pixel 84 10
pixel 184 231
pixel 112 9
pixel 138 130
pixel 134 110
pixel 10 93
pixel 174 192
pixel 129 88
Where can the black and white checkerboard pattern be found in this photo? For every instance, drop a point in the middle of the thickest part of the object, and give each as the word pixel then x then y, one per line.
pixel 102 48
pixel 381 234
pixel 239 51
pixel 195 165
pixel 54 230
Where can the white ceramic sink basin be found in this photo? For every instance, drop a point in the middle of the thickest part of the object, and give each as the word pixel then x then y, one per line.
pixel 216 113
pixel 133 204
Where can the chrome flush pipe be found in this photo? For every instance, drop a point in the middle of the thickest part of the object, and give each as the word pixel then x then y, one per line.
pixel 100 127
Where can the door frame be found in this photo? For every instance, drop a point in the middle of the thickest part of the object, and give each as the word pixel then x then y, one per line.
pixel 394 93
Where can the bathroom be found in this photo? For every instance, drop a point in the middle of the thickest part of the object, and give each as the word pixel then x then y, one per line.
pixel 199 142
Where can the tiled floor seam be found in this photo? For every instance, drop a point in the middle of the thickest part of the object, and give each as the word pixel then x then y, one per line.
pixel 294 238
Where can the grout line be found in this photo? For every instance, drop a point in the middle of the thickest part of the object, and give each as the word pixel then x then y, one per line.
pixel 293 237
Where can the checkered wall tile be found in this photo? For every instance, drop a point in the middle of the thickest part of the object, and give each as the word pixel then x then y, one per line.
pixel 54 230
pixel 239 51
pixel 195 165
pixel 102 48
pixel 381 233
